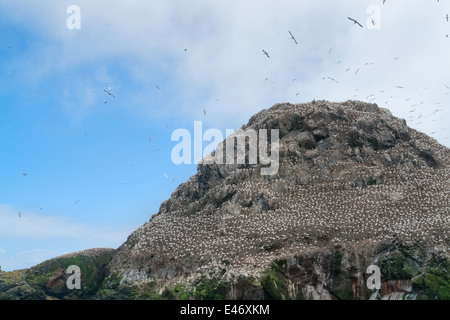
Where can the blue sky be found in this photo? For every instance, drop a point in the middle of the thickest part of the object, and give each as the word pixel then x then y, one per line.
pixel 92 173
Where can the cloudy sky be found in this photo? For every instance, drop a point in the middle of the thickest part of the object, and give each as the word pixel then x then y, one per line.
pixel 80 168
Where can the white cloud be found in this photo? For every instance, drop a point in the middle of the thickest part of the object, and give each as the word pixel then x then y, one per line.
pixel 224 60
pixel 26 259
pixel 30 225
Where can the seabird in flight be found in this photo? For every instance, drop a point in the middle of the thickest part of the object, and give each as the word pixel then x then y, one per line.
pixel 109 93
pixel 264 52
pixel 355 22
pixel 292 37
pixel 332 80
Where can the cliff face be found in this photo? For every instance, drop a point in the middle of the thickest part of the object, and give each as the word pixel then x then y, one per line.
pixel 355 187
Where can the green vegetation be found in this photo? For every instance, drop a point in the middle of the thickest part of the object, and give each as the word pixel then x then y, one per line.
pixel 272 281
pixel 398 266
pixel 48 279
pixel 346 293
pixel 434 282
pixel 210 289
pixel 179 292
pixel 335 266
pixel 429 273
pixel 202 289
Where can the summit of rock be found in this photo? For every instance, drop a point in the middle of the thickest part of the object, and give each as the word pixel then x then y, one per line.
pixel 351 175
pixel 354 187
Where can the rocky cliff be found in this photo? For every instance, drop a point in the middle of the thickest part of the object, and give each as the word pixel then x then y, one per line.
pixel 355 187
pixel 48 280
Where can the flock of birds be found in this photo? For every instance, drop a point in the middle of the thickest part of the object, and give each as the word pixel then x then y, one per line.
pixel 418 117
pixel 355 22
pixel 412 203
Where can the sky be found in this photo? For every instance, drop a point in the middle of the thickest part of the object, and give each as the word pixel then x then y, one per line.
pixel 89 97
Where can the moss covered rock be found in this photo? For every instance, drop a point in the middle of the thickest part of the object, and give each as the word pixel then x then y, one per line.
pixel 48 280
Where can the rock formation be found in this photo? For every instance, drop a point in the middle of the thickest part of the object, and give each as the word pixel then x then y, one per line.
pixel 47 280
pixel 354 182
pixel 355 187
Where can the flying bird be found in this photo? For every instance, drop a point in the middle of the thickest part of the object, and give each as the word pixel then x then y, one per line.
pixel 204 111
pixel 333 80
pixel 264 52
pixel 293 38
pixel 355 22
pixel 108 92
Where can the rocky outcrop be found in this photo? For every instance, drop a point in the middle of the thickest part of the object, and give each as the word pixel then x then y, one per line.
pixel 356 187
pixel 48 280
pixel 351 176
